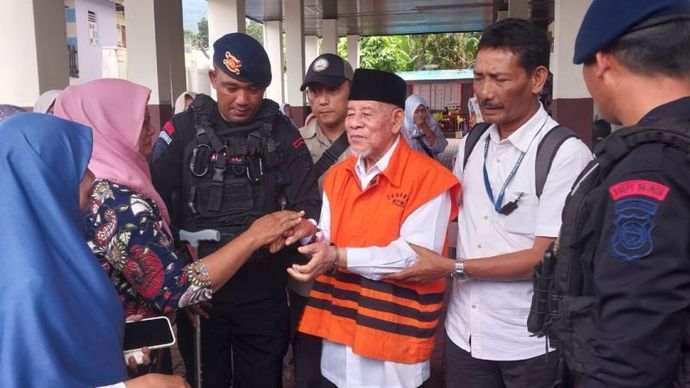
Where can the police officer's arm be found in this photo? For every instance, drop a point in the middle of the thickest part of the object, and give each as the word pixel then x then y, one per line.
pixel 303 191
pixel 642 280
pixel 166 161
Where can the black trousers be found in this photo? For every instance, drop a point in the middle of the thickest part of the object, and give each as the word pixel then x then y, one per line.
pixel 242 345
pixel 464 371
pixel 306 348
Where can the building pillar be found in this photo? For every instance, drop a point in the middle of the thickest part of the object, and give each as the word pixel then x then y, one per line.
pixel 224 17
pixel 293 11
pixel 35 50
pixel 273 43
pixel 572 105
pixel 519 9
pixel 353 50
pixel 311 48
pixel 155 52
pixel 330 35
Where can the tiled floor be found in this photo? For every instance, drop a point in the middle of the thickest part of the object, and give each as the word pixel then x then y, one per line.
pixel 435 381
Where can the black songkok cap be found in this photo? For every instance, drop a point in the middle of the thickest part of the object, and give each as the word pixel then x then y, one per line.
pixel 241 57
pixel 377 85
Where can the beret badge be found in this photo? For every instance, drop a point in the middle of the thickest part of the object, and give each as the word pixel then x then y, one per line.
pixel 232 63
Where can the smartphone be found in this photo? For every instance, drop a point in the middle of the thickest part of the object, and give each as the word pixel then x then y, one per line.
pixel 154 333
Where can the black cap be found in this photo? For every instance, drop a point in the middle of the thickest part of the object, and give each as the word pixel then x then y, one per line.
pixel 328 69
pixel 608 20
pixel 241 57
pixel 377 85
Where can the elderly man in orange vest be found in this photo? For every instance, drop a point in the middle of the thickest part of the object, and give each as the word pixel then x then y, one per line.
pixel 377 332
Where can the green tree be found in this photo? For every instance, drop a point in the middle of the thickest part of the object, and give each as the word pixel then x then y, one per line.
pixel 200 39
pixel 255 30
pixel 418 52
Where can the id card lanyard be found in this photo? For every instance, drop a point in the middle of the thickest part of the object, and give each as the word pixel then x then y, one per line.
pixel 498 202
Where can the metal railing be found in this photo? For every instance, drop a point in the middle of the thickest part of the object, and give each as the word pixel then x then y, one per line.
pixel 73 61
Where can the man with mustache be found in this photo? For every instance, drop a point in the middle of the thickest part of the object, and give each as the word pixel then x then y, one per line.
pixel 326 85
pixel 222 165
pixel 376 333
pixel 505 223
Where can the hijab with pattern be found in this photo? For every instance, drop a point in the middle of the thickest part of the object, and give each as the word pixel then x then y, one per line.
pixel 7 111
pixel 61 322
pixel 115 109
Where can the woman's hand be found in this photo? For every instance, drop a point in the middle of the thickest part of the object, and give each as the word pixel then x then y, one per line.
pixel 146 359
pixel 276 226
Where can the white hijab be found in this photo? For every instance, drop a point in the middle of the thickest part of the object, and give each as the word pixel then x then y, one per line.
pixel 411 105
pixel 180 102
pixel 46 100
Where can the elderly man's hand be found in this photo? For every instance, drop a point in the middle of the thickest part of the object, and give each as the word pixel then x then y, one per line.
pixel 322 259
pixel 304 229
pixel 428 267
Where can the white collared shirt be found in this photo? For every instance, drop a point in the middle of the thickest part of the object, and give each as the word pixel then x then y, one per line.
pixel 494 313
pixel 338 363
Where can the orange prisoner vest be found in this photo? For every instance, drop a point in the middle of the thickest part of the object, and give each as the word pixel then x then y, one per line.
pixel 382 320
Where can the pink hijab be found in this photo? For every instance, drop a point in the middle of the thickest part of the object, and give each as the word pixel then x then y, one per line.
pixel 115 110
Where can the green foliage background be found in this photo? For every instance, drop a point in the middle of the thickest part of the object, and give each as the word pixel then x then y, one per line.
pixel 416 52
pixel 390 53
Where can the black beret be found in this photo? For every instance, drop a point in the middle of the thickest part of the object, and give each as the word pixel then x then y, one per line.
pixel 377 85
pixel 241 57
pixel 607 20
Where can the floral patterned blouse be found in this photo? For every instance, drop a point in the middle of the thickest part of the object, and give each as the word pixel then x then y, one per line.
pixel 125 231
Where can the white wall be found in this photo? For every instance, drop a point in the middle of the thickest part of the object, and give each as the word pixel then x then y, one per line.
pixel 567 77
pixel 33 50
pixel 91 57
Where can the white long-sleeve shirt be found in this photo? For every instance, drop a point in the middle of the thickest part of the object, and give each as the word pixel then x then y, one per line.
pixel 488 318
pixel 426 227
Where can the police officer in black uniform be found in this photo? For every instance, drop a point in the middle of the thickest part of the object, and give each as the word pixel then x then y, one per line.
pixel 617 307
pixel 219 166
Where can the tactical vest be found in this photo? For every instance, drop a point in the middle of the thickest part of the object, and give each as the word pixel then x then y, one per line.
pixel 233 175
pixel 564 301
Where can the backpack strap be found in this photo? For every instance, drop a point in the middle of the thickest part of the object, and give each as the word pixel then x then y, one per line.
pixel 331 155
pixel 546 152
pixel 472 139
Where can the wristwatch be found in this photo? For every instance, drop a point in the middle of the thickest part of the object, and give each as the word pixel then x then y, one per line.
pixel 459 274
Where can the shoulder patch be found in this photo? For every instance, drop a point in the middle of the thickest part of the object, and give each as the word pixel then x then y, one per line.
pixel 632 238
pixel 167 132
pixel 643 188
pixel 299 142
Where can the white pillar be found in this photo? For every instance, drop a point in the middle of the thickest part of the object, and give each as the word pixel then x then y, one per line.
pixel 330 35
pixel 311 48
pixel 155 49
pixel 567 77
pixel 520 9
pixel 273 43
pixel 293 10
pixel 224 17
pixel 35 50
pixel 353 50
pixel 571 104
